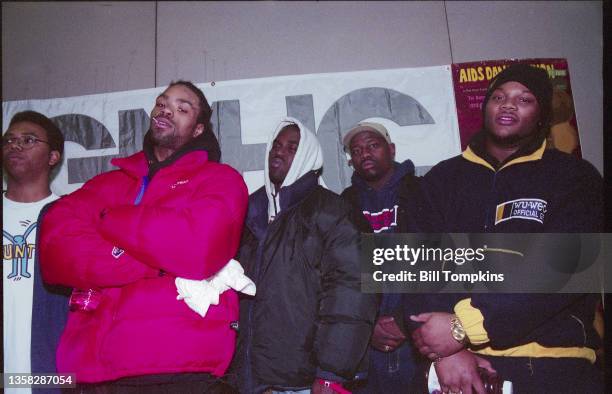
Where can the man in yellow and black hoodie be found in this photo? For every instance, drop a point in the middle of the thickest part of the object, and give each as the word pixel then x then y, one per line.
pixel 507 181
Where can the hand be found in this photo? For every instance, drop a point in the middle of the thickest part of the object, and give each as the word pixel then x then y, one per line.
pixel 319 388
pixel 387 335
pixel 434 338
pixel 458 373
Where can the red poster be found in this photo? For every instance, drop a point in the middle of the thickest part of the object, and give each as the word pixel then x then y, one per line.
pixel 471 80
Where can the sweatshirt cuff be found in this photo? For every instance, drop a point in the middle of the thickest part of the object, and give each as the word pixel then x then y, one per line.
pixel 472 321
pixel 327 375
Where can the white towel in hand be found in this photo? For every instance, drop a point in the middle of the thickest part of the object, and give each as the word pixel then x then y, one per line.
pixel 200 294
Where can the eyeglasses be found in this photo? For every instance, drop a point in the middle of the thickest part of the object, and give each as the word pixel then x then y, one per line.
pixel 25 142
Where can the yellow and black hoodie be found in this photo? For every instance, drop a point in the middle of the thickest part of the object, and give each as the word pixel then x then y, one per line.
pixel 536 190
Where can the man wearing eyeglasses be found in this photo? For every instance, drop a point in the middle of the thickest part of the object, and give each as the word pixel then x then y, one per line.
pixel 31 147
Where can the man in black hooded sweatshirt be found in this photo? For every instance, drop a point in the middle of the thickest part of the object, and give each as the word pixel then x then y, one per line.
pixel 506 181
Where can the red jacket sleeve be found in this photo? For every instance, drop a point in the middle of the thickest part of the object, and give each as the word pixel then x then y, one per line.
pixel 193 241
pixel 72 251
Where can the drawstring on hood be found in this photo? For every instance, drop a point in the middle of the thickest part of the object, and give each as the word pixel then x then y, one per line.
pixel 308 157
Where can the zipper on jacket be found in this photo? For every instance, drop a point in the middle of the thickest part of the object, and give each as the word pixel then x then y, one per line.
pixel 488 210
pixel 248 363
pixel 143 187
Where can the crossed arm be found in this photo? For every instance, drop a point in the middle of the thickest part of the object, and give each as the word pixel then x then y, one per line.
pixel 90 241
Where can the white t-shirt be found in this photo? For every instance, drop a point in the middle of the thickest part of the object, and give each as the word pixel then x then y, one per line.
pixel 18 250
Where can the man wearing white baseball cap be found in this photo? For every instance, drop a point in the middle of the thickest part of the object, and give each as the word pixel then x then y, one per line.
pixel 384 192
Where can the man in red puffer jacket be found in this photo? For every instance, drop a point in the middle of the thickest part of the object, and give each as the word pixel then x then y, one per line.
pixel 169 211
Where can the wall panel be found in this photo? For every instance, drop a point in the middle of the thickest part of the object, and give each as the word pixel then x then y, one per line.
pixel 236 40
pixel 59 49
pixel 519 29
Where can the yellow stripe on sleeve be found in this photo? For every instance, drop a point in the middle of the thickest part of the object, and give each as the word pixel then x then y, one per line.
pixel 472 321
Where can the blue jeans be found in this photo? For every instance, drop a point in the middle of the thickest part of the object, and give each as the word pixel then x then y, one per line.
pixel 390 372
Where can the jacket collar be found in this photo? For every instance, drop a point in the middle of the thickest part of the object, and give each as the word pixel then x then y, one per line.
pixel 290 196
pixel 145 163
pixel 476 153
pixel 400 171
pixel 138 166
pixel 294 194
pixel 206 141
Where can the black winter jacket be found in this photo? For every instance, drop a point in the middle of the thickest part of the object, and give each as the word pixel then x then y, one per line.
pixel 309 317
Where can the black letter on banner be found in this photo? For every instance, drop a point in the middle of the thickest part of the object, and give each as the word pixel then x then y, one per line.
pixel 226 125
pixel 133 125
pixel 352 108
pixel 302 108
pixel 91 134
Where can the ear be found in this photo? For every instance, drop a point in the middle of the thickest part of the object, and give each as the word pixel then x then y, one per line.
pixel 54 158
pixel 392 150
pixel 199 129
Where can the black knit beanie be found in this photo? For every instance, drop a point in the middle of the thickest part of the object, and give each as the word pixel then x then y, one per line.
pixel 535 79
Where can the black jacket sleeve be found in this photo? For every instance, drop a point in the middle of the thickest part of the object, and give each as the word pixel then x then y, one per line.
pixel 346 315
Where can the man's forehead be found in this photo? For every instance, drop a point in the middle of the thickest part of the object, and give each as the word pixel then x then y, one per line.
pixel 291 134
pixel 24 128
pixel 181 94
pixel 366 135
pixel 513 85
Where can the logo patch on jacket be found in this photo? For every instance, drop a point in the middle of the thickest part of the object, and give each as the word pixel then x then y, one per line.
pixel 179 183
pixel 383 220
pixel 522 208
pixel 117 252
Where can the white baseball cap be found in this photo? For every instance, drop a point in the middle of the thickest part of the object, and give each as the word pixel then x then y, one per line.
pixel 365 126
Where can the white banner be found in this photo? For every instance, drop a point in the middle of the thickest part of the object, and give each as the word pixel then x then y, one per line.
pixel 417 105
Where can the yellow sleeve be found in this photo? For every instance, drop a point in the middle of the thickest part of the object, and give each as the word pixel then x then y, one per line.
pixel 472 320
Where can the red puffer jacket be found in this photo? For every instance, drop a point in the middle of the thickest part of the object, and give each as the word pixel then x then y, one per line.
pixel 187 224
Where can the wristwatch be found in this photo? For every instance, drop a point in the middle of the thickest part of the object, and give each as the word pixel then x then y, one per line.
pixel 457 331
